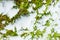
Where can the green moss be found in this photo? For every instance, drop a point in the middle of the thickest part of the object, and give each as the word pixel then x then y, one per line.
pixel 23 5
pixel 4 18
pixel 48 2
pixel 47 23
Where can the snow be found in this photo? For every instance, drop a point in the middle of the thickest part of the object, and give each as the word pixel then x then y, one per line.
pixel 29 20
